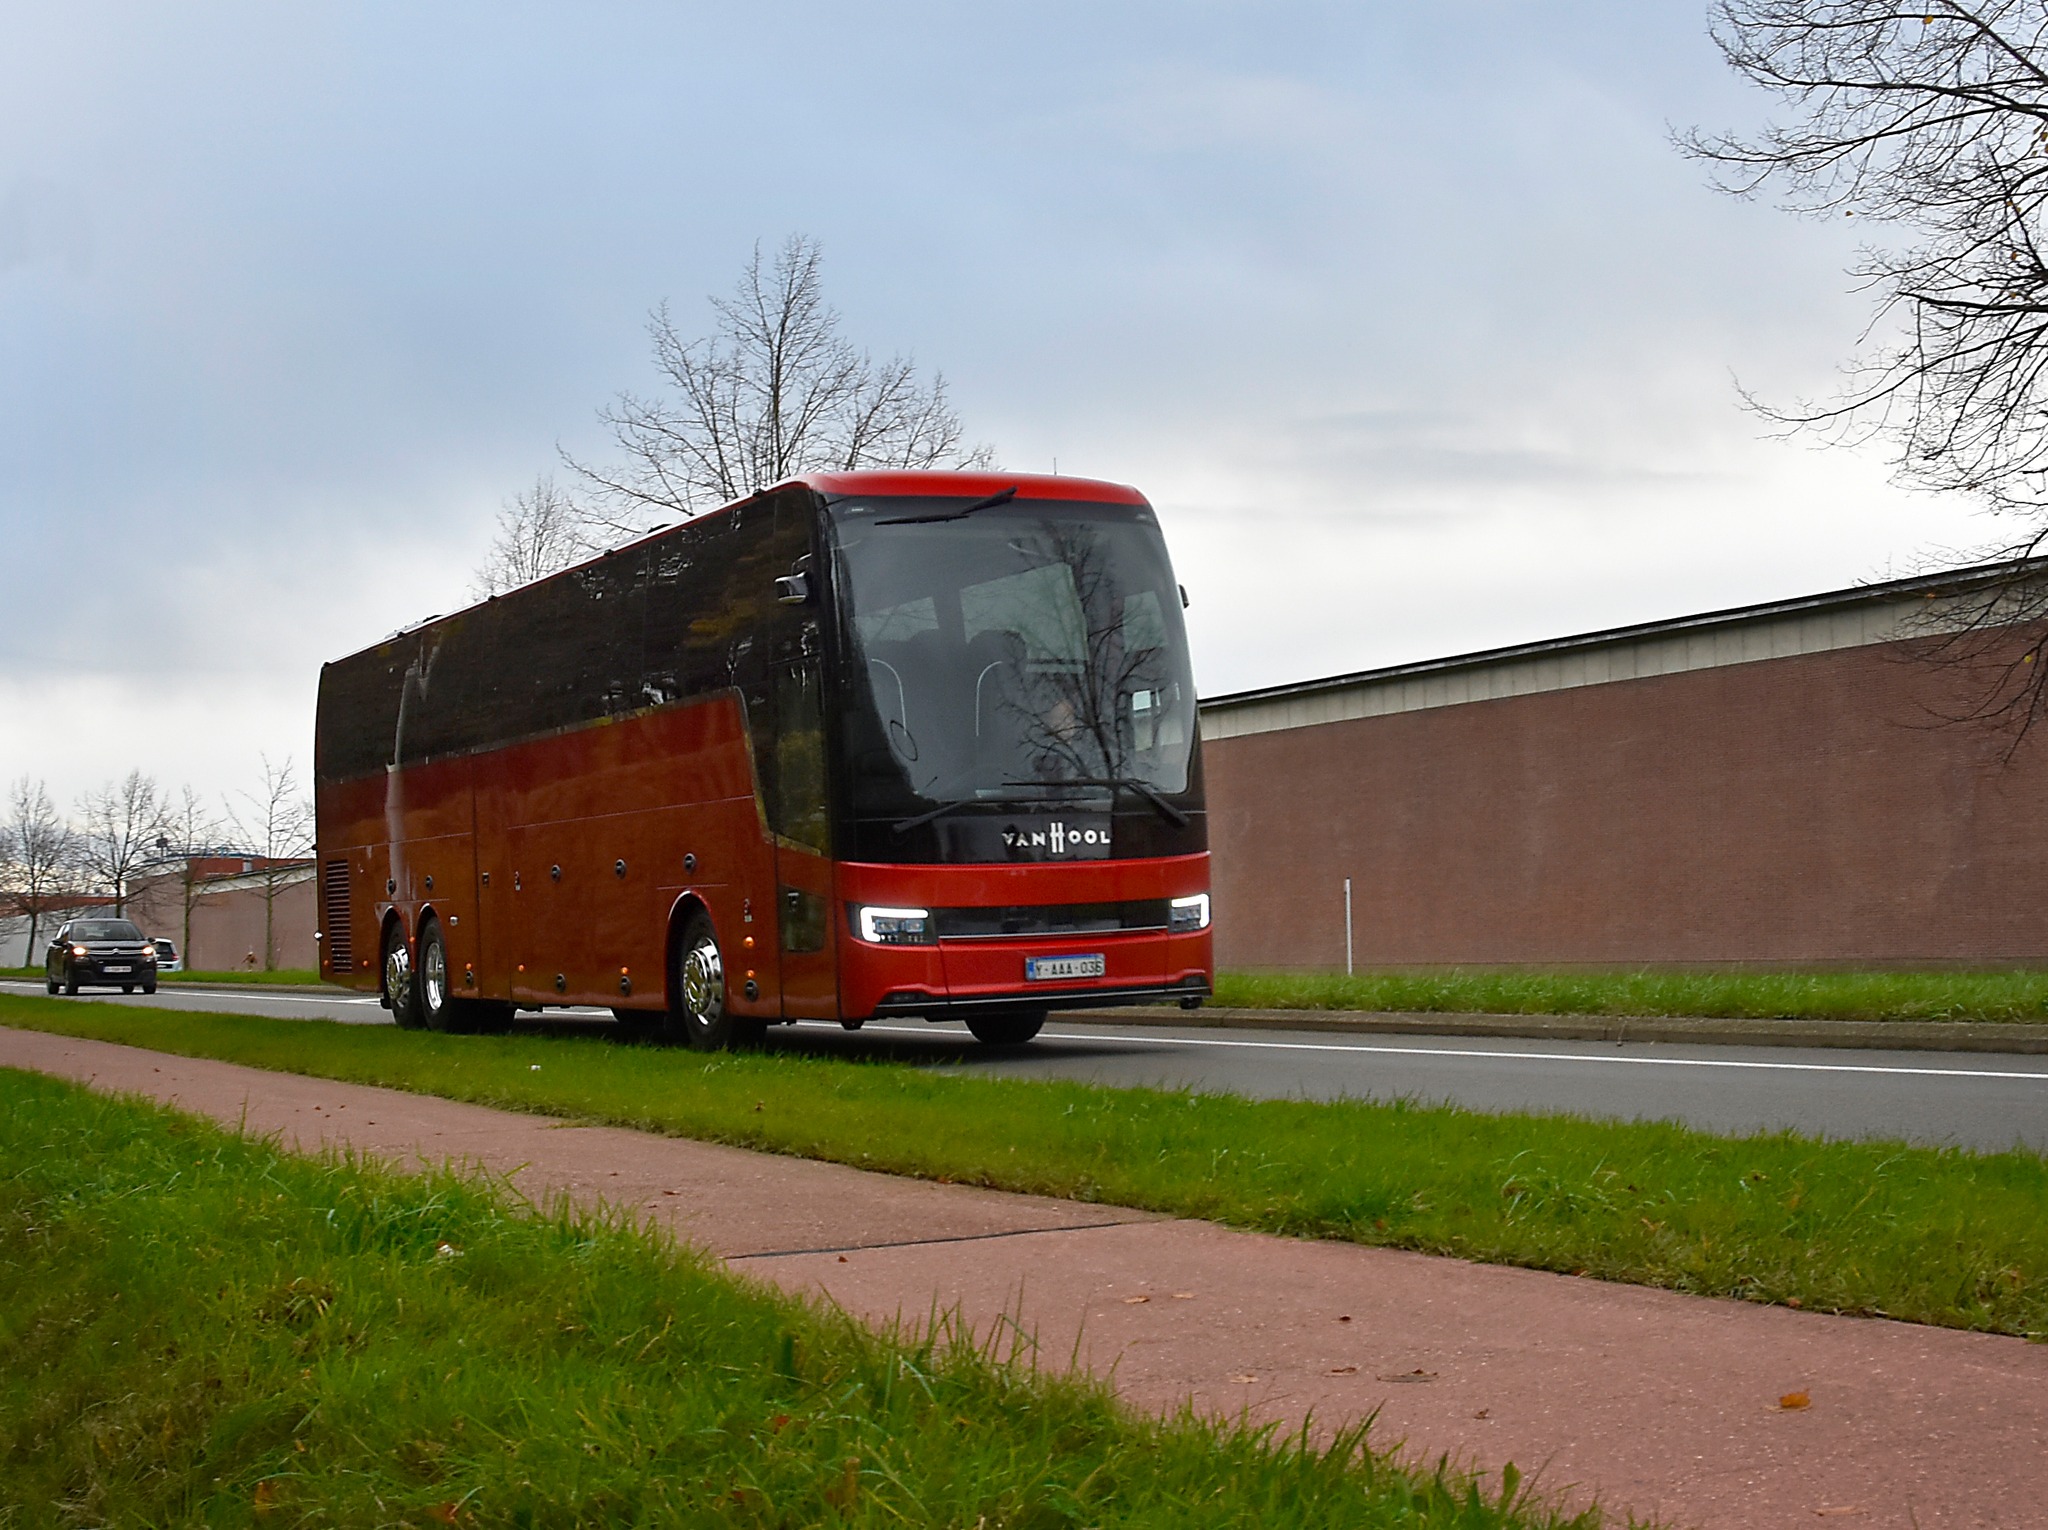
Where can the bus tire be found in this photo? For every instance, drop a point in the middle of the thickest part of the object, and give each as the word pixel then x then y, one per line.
pixel 698 1014
pixel 1007 1028
pixel 401 993
pixel 438 1009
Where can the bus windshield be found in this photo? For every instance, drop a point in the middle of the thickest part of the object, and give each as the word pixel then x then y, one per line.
pixel 1021 651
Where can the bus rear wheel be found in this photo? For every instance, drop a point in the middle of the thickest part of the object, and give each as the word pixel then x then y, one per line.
pixel 439 1008
pixel 401 992
pixel 438 1012
pixel 1009 1028
pixel 698 1014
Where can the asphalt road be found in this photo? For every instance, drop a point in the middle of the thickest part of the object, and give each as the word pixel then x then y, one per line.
pixel 1975 1100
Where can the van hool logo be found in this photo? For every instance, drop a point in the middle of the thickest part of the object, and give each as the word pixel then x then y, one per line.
pixel 1055 837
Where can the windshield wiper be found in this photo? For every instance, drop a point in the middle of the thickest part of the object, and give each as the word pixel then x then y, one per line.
pixel 1000 497
pixel 1167 810
pixel 904 826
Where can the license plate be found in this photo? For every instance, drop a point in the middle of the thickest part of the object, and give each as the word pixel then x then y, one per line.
pixel 117 969
pixel 1040 969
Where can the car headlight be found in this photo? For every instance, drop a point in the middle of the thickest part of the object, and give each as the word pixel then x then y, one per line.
pixel 149 953
pixel 1186 915
pixel 893 926
pixel 80 951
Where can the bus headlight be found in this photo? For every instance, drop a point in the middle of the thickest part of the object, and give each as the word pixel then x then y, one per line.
pixel 893 926
pixel 1186 915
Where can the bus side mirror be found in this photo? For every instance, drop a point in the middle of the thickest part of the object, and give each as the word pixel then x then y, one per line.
pixel 793 589
pixel 1183 597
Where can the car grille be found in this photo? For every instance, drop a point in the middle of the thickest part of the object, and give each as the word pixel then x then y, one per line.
pixel 1049 919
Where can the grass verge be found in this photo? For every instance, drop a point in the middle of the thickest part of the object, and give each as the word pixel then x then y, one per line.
pixel 282 977
pixel 1932 1235
pixel 1982 996
pixel 198 1329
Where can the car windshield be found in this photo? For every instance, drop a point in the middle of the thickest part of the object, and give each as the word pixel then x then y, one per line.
pixel 105 929
pixel 1020 650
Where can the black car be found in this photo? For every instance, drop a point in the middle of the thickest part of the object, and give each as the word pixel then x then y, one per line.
pixel 102 952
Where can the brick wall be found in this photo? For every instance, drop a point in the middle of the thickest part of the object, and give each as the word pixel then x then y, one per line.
pixel 227 922
pixel 1797 810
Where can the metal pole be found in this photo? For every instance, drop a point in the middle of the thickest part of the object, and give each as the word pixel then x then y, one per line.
pixel 1347 927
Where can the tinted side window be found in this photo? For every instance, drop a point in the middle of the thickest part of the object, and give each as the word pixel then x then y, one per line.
pixel 688 636
pixel 358 713
pixel 564 652
pixel 685 615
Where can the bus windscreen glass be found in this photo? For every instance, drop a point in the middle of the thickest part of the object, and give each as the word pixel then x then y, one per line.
pixel 1020 651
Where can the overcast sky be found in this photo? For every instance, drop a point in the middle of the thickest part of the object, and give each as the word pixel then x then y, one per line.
pixel 1409 319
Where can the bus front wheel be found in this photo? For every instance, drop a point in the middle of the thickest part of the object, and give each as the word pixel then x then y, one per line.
pixel 698 1013
pixel 1011 1028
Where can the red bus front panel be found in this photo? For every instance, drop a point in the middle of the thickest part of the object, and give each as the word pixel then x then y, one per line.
pixel 989 969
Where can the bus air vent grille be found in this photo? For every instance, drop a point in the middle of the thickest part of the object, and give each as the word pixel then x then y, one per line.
pixel 334 908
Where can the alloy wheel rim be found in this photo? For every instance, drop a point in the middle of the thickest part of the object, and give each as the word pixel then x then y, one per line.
pixel 704 981
pixel 434 976
pixel 398 975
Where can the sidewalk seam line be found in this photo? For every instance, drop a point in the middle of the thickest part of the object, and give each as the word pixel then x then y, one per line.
pixel 1019 1232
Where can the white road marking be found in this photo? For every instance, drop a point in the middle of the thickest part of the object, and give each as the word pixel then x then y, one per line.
pixel 280 998
pixel 168 990
pixel 1126 1039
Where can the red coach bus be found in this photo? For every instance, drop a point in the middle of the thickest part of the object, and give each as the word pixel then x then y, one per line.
pixel 865 744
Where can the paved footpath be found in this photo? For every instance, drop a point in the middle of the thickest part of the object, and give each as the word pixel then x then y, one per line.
pixel 1656 1404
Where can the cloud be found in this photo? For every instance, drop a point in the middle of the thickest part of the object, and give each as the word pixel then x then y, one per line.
pixel 42 222
pixel 1413 303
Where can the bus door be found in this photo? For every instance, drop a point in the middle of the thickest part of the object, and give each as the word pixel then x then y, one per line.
pixel 798 815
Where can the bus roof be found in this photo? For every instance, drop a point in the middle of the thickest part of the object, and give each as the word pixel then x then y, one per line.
pixel 978 482
pixel 839 485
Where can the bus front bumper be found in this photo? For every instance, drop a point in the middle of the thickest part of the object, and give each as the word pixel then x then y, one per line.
pixel 1187 995
pixel 955 977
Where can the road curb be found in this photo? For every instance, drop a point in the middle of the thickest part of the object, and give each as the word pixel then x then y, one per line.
pixel 1884 1035
pixel 312 990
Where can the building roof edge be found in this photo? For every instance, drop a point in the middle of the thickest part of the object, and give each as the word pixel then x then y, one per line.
pixel 1948 581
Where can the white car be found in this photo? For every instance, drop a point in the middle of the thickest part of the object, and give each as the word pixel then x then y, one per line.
pixel 167 957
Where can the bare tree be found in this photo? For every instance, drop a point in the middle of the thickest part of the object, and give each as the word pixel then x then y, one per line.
pixel 775 390
pixel 540 531
pixel 38 857
pixel 191 831
pixel 1929 123
pixel 278 824
pixel 120 825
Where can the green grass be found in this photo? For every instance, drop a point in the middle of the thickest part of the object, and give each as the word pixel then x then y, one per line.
pixel 283 976
pixel 1986 996
pixel 196 1329
pixel 1992 996
pixel 292 976
pixel 1932 1235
